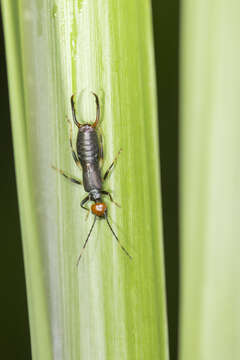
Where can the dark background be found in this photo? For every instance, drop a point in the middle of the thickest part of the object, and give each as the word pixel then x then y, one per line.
pixel 166 33
pixel 14 333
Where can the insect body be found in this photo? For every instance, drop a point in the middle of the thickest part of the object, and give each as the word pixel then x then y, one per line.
pixel 88 156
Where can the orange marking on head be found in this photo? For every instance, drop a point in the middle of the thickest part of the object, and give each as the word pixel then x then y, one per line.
pixel 99 209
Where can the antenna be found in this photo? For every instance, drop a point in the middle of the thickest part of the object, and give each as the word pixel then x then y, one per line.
pixel 79 258
pixel 122 247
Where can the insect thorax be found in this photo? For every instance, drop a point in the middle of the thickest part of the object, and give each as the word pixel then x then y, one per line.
pixel 95 195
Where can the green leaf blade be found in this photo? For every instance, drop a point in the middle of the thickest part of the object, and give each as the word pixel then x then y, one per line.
pixel 210 181
pixel 110 307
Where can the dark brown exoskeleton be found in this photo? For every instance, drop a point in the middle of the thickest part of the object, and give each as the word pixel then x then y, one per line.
pixel 88 156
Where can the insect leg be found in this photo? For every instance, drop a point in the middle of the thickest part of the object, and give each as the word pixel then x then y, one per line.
pixel 75 158
pixel 85 200
pixel 74 112
pixel 101 149
pixel 87 215
pixel 111 166
pixel 69 177
pixel 97 111
pixel 110 197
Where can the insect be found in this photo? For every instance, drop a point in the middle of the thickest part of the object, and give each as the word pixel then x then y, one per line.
pixel 89 154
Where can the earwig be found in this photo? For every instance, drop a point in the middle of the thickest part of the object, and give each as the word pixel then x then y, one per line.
pixel 88 156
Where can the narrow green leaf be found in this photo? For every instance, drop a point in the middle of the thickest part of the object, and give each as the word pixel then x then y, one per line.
pixel 37 300
pixel 110 307
pixel 210 178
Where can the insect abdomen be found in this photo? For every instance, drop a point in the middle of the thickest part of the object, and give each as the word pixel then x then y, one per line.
pixel 89 153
